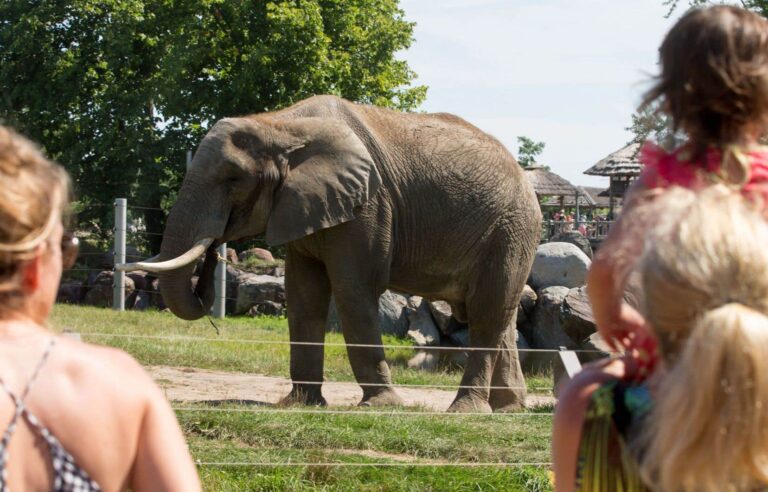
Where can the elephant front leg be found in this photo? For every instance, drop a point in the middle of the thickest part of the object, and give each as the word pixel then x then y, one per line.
pixel 359 323
pixel 308 293
pixel 508 384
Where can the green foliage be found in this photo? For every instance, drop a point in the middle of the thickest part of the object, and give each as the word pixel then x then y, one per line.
pixel 649 123
pixel 759 6
pixel 119 90
pixel 528 151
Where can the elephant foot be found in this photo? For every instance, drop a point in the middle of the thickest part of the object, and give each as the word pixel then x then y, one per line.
pixel 506 400
pixel 304 396
pixel 383 398
pixel 469 404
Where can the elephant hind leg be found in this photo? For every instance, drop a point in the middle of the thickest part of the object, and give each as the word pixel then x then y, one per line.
pixel 508 388
pixel 491 309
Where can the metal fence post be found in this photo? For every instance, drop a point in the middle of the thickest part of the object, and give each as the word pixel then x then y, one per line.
pixel 118 292
pixel 220 281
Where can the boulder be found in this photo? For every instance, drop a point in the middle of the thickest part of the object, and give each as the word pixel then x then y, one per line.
pixel 460 338
pixel 426 360
pixel 71 292
pixel 231 256
pixel 444 319
pixel 559 264
pixel 393 319
pixel 254 289
pixel 421 327
pixel 262 254
pixel 132 254
pixel 544 330
pixel 527 303
pixel 156 298
pixel 100 291
pixel 267 308
pixel 576 315
pixel 576 238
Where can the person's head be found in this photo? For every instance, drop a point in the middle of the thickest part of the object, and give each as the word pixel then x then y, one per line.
pixel 32 205
pixel 705 280
pixel 714 75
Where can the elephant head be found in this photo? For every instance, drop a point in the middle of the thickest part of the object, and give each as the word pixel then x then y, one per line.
pixel 255 175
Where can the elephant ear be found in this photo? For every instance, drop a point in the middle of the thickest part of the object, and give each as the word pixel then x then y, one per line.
pixel 327 181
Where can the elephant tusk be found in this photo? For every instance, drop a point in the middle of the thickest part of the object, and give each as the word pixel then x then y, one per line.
pixel 165 266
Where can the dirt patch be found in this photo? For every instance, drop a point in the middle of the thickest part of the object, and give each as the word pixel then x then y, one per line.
pixel 188 384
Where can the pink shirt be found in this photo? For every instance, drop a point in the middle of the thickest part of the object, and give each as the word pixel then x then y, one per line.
pixel 664 169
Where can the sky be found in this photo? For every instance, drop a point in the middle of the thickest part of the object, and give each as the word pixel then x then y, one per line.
pixel 568 73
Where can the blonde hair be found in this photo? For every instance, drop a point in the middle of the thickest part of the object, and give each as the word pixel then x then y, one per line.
pixel 35 195
pixel 705 279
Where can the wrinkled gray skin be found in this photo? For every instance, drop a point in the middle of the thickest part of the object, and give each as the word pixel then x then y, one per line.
pixel 367 199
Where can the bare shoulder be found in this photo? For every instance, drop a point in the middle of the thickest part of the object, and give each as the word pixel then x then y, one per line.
pixel 111 370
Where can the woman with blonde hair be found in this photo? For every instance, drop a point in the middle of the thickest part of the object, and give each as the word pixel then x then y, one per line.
pixel 699 422
pixel 73 416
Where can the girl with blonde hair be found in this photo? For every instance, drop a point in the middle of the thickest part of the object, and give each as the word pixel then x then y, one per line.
pixel 698 422
pixel 73 416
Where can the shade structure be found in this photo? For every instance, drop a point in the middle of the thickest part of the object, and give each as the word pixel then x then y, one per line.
pixel 623 162
pixel 547 183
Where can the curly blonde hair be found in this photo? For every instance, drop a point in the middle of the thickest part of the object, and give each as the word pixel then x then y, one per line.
pixel 705 280
pixel 35 196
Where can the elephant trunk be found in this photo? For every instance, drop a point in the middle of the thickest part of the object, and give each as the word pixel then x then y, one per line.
pixel 183 230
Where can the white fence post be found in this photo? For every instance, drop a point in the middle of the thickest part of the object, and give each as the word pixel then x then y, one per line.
pixel 118 292
pixel 220 281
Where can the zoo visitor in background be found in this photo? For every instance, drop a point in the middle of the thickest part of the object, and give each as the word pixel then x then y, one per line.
pixel 69 426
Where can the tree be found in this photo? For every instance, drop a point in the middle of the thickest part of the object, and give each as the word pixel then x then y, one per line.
pixel 119 90
pixel 648 122
pixel 759 6
pixel 528 151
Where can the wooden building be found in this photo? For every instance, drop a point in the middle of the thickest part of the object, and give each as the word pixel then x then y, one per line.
pixel 623 168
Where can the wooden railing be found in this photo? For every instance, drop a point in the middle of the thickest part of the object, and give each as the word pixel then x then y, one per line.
pixel 594 230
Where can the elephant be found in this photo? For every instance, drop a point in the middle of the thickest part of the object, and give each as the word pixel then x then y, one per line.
pixel 364 199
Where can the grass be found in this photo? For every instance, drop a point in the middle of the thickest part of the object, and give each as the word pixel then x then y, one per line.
pixel 247 435
pixel 242 355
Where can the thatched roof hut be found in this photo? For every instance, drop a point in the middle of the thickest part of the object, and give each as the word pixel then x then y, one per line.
pixel 623 162
pixel 547 183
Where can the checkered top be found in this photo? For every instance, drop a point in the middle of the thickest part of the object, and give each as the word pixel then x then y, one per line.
pixel 68 476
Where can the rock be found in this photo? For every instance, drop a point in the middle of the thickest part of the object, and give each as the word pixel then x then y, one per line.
pixel 140 300
pixel 426 360
pixel 576 315
pixel 544 330
pixel 444 319
pixel 267 308
pixel 231 256
pixel 254 289
pixel 593 347
pixel 460 338
pixel 421 327
pixel 575 238
pixel 441 313
pixel 527 303
pixel 393 319
pixel 71 292
pixel 523 347
pixel 559 264
pixel 100 291
pixel 596 348
pixel 262 254
pixel 156 298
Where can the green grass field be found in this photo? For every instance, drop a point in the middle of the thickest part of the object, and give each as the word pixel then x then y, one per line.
pixel 406 452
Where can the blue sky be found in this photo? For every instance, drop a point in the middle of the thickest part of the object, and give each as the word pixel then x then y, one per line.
pixel 565 72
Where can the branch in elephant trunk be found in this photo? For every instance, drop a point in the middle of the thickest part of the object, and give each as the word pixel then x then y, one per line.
pixel 150 265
